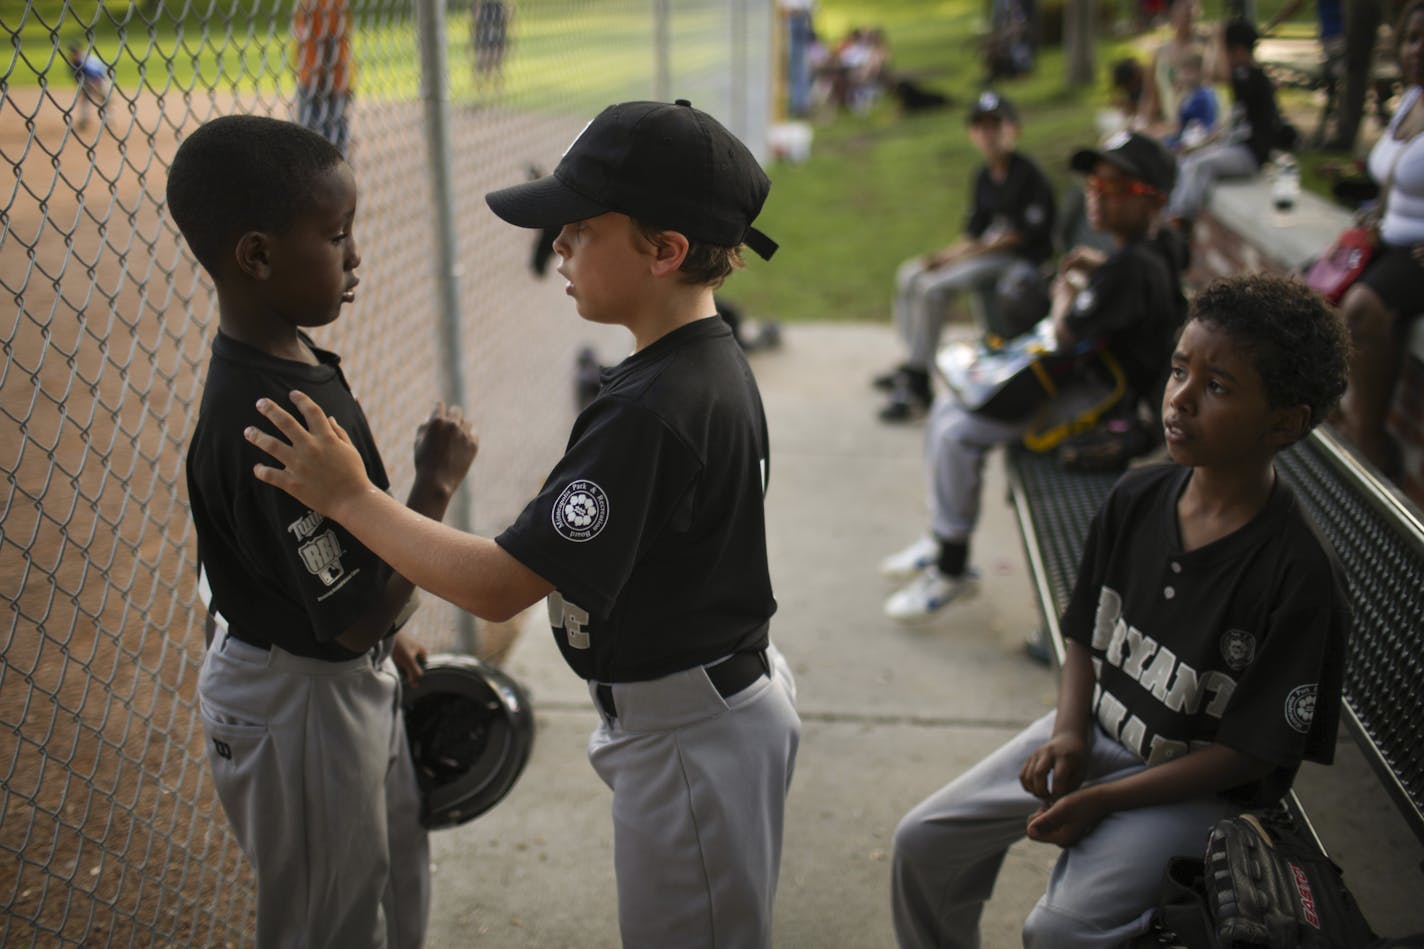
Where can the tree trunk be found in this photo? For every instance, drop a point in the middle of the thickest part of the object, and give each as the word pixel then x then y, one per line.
pixel 1362 20
pixel 1079 41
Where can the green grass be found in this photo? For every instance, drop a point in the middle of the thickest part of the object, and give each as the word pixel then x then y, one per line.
pixel 576 61
pixel 881 188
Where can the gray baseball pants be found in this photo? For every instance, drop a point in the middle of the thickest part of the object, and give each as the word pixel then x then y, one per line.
pixel 699 792
pixel 312 767
pixel 949 848
pixel 1199 170
pixel 956 441
pixel 923 297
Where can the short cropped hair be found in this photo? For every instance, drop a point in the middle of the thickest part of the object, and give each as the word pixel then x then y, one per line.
pixel 705 264
pixel 242 173
pixel 1297 342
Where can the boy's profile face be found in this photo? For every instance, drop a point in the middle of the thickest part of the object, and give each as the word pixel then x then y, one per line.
pixel 605 261
pixel 311 266
pixel 1215 410
pixel 993 136
pixel 1117 203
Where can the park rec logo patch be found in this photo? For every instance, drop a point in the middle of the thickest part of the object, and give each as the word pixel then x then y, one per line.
pixel 581 511
pixel 1300 707
pixel 1238 649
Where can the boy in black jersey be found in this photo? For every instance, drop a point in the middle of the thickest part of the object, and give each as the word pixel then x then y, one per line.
pixel 1130 302
pixel 649 536
pixel 1206 641
pixel 298 699
pixel 1009 234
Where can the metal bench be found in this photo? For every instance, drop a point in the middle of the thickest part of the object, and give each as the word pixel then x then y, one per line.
pixel 1379 540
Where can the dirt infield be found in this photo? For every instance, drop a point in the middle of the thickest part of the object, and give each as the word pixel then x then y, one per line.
pixel 106 804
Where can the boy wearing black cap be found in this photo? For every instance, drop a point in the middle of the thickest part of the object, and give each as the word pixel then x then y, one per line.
pixel 1129 302
pixel 649 536
pixel 1010 229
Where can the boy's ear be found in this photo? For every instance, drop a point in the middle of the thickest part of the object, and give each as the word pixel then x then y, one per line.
pixel 1289 426
pixel 253 254
pixel 669 251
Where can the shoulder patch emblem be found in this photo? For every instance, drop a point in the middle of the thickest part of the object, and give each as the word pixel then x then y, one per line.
pixel 1238 649
pixel 580 512
pixel 1300 707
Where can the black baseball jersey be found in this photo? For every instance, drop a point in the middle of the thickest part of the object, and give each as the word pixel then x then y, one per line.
pixel 1255 119
pixel 1240 642
pixel 280 573
pixel 1022 202
pixel 651 528
pixel 1134 302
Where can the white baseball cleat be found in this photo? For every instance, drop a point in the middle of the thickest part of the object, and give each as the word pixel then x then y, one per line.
pixel 909 562
pixel 929 593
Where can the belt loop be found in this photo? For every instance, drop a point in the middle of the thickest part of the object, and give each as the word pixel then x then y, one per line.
pixel 765 664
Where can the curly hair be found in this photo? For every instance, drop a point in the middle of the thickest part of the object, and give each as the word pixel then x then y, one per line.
pixel 705 264
pixel 241 173
pixel 1296 341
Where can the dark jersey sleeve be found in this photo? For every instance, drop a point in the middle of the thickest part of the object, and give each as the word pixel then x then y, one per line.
pixel 1036 213
pixel 980 215
pixel 624 477
pixel 1108 302
pixel 1287 704
pixel 1078 617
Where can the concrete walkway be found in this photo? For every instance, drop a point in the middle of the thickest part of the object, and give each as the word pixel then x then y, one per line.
pixel 890 713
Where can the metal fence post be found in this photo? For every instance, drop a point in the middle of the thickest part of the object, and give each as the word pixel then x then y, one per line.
pixel 435 94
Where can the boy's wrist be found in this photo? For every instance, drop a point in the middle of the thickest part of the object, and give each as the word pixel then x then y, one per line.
pixel 430 495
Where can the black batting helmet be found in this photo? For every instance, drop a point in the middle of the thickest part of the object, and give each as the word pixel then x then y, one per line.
pixel 470 730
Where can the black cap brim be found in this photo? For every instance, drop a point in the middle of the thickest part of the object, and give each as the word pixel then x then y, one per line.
pixel 546 202
pixel 1084 159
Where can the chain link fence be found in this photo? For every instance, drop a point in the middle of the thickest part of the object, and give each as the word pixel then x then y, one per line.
pixel 109 828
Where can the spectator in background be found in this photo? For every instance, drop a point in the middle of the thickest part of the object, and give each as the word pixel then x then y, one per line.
pixel 93 77
pixel 489 33
pixel 1390 294
pixel 1160 99
pixel 322 30
pixel 800 34
pixel 1245 144
pixel 1010 226
pixel 1197 109
pixel 1128 86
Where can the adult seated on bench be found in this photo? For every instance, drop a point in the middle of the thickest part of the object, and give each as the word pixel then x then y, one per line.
pixel 1206 639
pixel 1390 293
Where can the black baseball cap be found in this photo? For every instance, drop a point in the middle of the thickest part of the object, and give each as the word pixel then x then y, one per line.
pixel 668 165
pixel 1136 155
pixel 990 105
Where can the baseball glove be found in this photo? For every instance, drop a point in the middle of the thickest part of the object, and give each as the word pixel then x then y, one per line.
pixel 1281 896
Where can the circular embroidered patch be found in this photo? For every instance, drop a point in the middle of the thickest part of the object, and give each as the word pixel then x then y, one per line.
pixel 1238 649
pixel 581 511
pixel 1300 707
